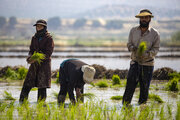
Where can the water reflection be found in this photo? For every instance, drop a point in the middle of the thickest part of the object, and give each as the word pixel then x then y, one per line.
pixel 109 63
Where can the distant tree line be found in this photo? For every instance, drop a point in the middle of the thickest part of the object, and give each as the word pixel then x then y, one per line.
pixel 55 23
pixel 10 24
pixel 176 37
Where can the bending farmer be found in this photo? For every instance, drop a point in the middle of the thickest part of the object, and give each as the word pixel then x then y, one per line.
pixel 73 74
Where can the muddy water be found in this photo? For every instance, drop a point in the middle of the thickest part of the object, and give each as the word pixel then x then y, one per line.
pixel 101 93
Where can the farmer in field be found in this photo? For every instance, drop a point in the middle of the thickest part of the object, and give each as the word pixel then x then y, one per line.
pixel 73 74
pixel 39 75
pixel 143 43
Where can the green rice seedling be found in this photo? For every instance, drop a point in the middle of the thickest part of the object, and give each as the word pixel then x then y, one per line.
pixel 57 78
pixel 34 89
pixel 11 74
pixel 162 114
pixel 9 112
pixel 178 111
pixel 102 84
pixel 174 75
pixel 173 85
pixel 155 98
pixel 8 96
pixel 38 57
pixel 88 95
pixel 92 84
pixel 55 94
pixel 117 97
pixel 142 48
pixel 22 72
pixel 169 111
pixel 116 80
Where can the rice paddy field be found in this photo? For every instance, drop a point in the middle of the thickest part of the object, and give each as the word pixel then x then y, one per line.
pixel 102 98
pixel 103 101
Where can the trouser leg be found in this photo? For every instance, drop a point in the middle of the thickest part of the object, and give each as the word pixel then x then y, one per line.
pixel 24 93
pixel 145 79
pixel 132 80
pixel 42 94
pixel 62 93
pixel 81 98
pixel 63 87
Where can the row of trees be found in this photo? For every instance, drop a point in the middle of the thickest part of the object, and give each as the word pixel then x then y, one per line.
pixel 55 23
pixel 11 23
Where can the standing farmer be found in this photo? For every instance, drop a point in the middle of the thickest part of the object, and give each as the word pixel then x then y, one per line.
pixel 141 65
pixel 73 74
pixel 39 75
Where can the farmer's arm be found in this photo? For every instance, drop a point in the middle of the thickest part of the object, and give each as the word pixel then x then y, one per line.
pixel 130 45
pixel 155 46
pixel 31 51
pixel 49 48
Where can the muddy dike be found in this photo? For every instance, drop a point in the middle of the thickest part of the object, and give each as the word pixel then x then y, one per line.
pixel 103 73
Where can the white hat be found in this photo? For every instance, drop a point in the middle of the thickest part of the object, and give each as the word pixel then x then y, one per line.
pixel 88 73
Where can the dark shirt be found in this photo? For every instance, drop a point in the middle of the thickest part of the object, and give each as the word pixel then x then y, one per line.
pixel 74 75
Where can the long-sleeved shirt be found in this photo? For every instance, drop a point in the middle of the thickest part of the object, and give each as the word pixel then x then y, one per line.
pixel 73 75
pixel 152 39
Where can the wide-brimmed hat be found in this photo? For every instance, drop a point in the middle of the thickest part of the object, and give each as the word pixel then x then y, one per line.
pixel 41 22
pixel 144 12
pixel 88 73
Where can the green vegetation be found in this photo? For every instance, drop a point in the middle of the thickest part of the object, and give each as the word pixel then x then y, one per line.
pixel 86 111
pixel 22 72
pixel 57 78
pixel 176 37
pixel 11 74
pixel 102 84
pixel 117 97
pixel 8 96
pixel 172 85
pixel 174 75
pixel 142 48
pixel 178 111
pixel 155 97
pixel 88 95
pixel 116 80
pixel 38 57
pixel 34 89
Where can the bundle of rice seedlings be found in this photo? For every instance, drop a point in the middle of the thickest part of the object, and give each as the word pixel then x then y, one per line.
pixel 117 97
pixel 22 72
pixel 8 96
pixel 173 85
pixel 11 74
pixel 155 98
pixel 38 57
pixel 88 95
pixel 142 48
pixel 116 80
pixel 102 84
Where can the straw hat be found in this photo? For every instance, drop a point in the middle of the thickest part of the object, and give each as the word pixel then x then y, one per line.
pixel 144 12
pixel 88 73
pixel 41 22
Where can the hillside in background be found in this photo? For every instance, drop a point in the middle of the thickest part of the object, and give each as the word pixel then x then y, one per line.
pixel 78 8
pixel 126 11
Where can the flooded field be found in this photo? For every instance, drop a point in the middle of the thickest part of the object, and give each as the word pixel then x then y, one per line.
pixel 109 63
pixel 101 94
pixel 109 58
